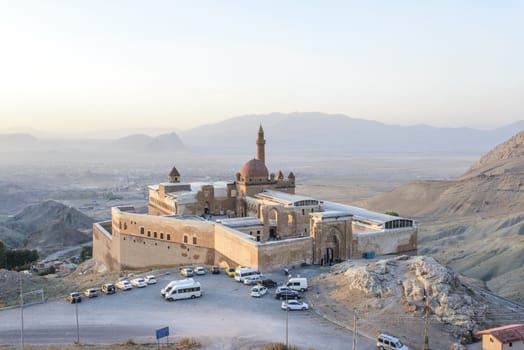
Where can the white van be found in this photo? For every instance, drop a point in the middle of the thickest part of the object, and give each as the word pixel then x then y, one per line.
pixel 388 342
pixel 184 289
pixel 297 283
pixel 243 272
pixel 167 288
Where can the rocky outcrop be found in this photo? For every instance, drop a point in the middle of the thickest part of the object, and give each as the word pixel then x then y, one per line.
pixel 513 148
pixel 410 280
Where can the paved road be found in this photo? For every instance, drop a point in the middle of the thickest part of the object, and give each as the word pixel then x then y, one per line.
pixel 226 317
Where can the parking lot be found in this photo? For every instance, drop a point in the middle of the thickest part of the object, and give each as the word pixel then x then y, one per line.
pixel 225 317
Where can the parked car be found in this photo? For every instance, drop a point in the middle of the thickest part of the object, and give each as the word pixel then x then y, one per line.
pixel 250 280
pixel 215 270
pixel 124 285
pixel 258 291
pixel 108 288
pixel 150 279
pixel 74 297
pixel 287 294
pixel 388 342
pixel 186 271
pixel 268 283
pixel 230 271
pixel 199 270
pixel 139 282
pixel 91 293
pixel 294 305
pixel 280 289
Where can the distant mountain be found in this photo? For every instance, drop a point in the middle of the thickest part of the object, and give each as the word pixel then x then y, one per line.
pixel 46 226
pixel 165 143
pixel 144 143
pixel 18 140
pixel 133 142
pixel 336 133
pixel 475 223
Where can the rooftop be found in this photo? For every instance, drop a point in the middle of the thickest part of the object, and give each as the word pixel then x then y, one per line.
pixel 240 222
pixel 506 334
pixel 359 213
pixel 286 198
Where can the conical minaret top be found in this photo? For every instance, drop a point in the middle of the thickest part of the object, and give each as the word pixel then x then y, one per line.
pixel 261 145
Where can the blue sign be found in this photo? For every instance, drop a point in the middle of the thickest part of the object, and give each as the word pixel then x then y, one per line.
pixel 162 332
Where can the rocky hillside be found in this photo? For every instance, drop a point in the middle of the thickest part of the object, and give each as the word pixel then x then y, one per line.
pixel 493 186
pixel 513 149
pixel 473 223
pixel 47 227
pixel 388 296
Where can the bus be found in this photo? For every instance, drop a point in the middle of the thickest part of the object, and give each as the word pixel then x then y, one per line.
pixel 183 289
pixel 243 272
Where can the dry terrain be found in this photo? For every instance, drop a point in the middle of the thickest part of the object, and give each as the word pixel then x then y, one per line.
pixel 474 223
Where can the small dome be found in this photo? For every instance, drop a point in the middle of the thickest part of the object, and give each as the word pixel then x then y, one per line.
pixel 254 168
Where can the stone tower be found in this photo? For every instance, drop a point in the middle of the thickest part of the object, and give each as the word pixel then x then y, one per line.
pixel 261 146
pixel 174 175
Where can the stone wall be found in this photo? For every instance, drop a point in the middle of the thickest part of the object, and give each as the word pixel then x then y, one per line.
pixel 385 242
pixel 285 253
pixel 240 248
pixel 103 247
pixel 145 241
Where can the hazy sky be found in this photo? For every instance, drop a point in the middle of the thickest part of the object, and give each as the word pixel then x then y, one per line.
pixel 87 65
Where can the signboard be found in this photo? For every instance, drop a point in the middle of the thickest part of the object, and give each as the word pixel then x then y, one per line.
pixel 162 332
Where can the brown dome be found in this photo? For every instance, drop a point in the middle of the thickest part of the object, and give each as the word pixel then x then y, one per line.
pixel 254 168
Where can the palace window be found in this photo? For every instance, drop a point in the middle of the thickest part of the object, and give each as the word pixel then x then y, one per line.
pixel 141 230
pixel 168 236
pixel 148 233
pixel 194 240
pixel 185 238
pixel 161 235
pixel 155 234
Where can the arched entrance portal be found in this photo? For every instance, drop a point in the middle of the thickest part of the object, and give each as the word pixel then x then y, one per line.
pixel 332 248
pixel 273 223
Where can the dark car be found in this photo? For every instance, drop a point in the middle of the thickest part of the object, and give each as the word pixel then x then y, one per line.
pixel 268 283
pixel 287 294
pixel 74 297
pixel 108 288
pixel 215 270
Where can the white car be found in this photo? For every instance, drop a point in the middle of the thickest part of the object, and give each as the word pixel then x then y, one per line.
pixel 124 285
pixel 139 282
pixel 150 279
pixel 186 271
pixel 258 291
pixel 199 270
pixel 250 280
pixel 294 305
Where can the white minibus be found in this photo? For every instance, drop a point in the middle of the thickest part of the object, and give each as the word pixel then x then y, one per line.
pixel 243 272
pixel 184 289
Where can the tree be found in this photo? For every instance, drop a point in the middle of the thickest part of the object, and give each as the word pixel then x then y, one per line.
pixel 3 256
pixel 86 253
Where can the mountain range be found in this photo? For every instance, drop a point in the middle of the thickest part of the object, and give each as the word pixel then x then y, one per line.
pixel 47 227
pixel 305 133
pixel 474 223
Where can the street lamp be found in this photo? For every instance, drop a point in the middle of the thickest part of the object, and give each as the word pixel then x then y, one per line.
pixel 77 327
pixel 426 324
pixel 21 313
pixel 287 319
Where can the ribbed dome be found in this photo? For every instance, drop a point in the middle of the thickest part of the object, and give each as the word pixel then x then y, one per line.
pixel 254 168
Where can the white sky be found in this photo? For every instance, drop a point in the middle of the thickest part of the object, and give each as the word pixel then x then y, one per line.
pixel 88 65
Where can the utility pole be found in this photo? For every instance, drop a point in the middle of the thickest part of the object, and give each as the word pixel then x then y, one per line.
pixel 21 313
pixel 77 327
pixel 287 319
pixel 426 325
pixel 355 331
